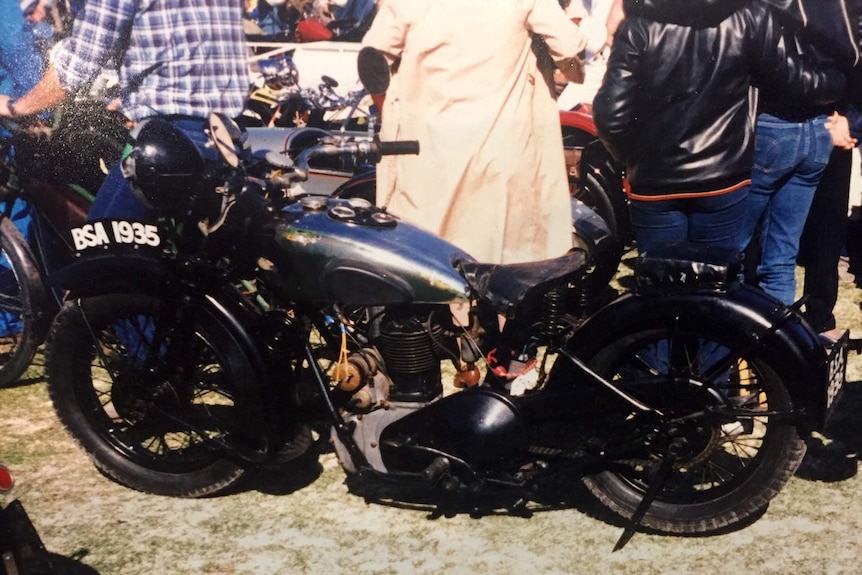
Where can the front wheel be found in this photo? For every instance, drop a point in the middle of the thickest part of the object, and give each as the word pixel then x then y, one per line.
pixel 733 449
pixel 155 424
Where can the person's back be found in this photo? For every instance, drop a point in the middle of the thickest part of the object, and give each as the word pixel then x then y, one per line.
pixel 171 60
pixel 468 88
pixel 675 106
pixel 795 139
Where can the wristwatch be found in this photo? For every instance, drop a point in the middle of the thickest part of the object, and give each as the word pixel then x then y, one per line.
pixel 10 105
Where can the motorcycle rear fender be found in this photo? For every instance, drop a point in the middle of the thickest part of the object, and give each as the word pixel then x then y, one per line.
pixel 113 273
pixel 578 119
pixel 784 339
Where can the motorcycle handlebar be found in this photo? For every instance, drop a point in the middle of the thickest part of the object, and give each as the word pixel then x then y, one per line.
pixel 362 149
pixel 397 148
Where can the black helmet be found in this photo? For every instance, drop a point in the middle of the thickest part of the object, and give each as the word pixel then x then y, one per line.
pixel 165 168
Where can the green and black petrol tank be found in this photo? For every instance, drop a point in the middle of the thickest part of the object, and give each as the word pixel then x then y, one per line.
pixel 349 251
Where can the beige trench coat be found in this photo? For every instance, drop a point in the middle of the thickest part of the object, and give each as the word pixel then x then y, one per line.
pixel 490 176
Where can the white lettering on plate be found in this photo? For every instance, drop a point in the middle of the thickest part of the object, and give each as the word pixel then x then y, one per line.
pixel 105 233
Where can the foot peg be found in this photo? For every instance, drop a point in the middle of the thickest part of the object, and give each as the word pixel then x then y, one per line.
pixel 438 468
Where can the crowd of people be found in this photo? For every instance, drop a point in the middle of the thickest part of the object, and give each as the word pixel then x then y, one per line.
pixel 309 20
pixel 685 70
pixel 683 80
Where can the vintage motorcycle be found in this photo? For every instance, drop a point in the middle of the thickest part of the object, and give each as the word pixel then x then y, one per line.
pixel 248 321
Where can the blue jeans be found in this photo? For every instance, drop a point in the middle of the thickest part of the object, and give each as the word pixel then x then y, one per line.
pixel 713 220
pixel 789 160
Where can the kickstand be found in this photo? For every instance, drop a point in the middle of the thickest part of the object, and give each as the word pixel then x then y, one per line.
pixel 655 488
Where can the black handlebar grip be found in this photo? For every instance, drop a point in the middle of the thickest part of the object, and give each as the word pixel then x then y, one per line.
pixel 398 148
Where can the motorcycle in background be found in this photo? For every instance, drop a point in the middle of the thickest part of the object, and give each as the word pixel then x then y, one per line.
pixel 54 167
pixel 278 100
pixel 6 479
pixel 222 335
pixel 21 549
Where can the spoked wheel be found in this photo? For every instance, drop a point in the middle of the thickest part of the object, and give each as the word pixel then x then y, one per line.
pixel 730 456
pixel 150 425
pixel 22 303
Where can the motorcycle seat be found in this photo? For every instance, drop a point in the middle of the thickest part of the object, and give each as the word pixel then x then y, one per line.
pixel 505 286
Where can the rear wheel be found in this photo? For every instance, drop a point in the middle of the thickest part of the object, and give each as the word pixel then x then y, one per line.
pixel 148 424
pixel 732 457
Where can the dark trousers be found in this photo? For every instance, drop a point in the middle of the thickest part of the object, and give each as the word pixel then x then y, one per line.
pixel 823 241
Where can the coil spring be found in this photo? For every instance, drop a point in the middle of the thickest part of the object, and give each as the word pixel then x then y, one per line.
pixel 580 295
pixel 552 312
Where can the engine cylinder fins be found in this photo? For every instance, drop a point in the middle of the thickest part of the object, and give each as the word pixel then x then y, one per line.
pixel 408 347
pixel 411 359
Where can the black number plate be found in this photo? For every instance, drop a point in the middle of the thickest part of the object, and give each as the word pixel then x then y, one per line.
pixel 104 233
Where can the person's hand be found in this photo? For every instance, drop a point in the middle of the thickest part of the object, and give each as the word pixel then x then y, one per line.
pixel 560 82
pixel 5 112
pixel 839 128
pixel 615 17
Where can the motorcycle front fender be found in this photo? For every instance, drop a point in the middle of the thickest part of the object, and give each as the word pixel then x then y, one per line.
pixel 111 272
pixel 741 313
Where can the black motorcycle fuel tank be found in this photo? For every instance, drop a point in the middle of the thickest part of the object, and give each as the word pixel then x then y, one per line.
pixel 329 249
pixel 480 427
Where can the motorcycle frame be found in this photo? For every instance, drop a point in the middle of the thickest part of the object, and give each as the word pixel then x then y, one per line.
pixel 781 337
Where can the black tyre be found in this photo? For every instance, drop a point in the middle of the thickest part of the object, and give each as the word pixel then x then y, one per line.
pixel 261 112
pixel 22 302
pixel 730 465
pixel 149 426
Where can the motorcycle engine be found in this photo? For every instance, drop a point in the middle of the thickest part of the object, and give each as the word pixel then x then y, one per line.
pixel 396 377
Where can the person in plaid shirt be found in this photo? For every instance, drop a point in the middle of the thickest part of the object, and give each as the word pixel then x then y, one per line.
pixel 179 61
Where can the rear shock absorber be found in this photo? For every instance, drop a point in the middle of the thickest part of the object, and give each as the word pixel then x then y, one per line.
pixel 581 294
pixel 552 311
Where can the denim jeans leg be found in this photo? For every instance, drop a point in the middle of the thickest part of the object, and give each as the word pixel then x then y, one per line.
pixel 713 220
pixel 115 199
pixel 658 222
pixel 787 209
pixel 719 221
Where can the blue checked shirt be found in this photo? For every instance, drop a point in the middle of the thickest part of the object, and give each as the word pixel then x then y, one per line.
pixel 173 56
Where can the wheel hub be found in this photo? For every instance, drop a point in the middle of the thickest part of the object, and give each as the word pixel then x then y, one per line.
pixel 691 432
pixel 136 393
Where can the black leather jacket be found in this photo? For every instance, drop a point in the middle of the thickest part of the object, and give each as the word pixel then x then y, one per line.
pixel 674 106
pixel 830 41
